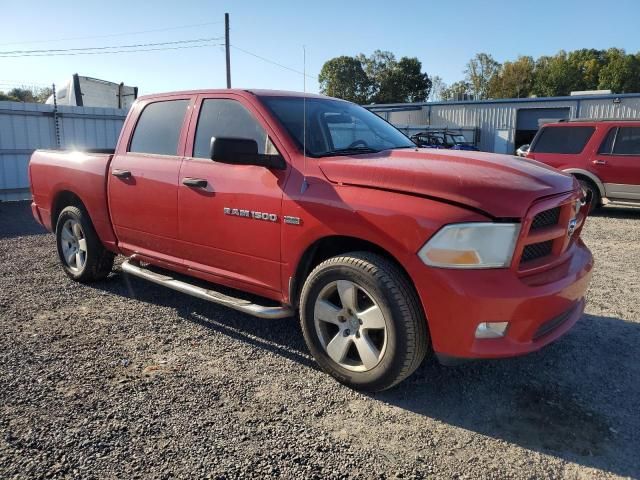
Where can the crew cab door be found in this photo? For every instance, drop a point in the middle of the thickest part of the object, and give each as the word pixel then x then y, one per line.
pixel 219 233
pixel 617 163
pixel 143 178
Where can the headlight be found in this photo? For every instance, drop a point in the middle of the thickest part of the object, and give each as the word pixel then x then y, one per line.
pixel 471 245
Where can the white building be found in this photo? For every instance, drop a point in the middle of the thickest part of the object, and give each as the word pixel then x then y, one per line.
pixel 503 125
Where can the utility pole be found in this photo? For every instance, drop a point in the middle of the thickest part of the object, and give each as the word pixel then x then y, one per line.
pixel 226 46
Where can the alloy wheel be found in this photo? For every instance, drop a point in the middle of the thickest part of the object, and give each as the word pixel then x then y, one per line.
pixel 74 245
pixel 351 326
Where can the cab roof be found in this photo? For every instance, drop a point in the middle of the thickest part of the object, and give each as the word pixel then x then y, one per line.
pixel 241 91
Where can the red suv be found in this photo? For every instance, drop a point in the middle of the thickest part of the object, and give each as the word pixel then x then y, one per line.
pixel 604 155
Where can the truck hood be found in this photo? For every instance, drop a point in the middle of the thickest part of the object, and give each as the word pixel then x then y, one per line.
pixel 500 185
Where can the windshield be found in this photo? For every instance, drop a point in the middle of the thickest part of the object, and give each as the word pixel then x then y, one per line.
pixel 459 138
pixel 335 127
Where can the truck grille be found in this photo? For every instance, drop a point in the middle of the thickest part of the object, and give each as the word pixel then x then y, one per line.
pixel 546 218
pixel 536 250
pixel 545 236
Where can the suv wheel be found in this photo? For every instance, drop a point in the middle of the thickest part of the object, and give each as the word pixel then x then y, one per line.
pixel 83 256
pixel 588 186
pixel 362 321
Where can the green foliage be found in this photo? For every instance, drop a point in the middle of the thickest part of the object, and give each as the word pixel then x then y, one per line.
pixel 480 70
pixel 379 78
pixel 621 72
pixel 513 80
pixel 589 62
pixel 556 76
pixel 438 88
pixel 553 76
pixel 457 91
pixel 27 95
pixel 344 77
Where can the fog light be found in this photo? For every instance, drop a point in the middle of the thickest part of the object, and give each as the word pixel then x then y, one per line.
pixel 491 329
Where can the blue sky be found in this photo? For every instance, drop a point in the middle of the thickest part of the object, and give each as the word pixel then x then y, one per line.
pixel 443 35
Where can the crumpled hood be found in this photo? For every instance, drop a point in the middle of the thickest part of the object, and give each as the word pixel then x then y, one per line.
pixel 500 185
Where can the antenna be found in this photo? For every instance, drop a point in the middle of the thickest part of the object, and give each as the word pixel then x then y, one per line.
pixel 304 185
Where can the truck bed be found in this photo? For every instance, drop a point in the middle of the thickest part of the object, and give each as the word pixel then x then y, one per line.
pixel 56 174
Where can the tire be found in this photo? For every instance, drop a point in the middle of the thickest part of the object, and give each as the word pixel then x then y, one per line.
pixel 83 257
pixel 596 200
pixel 376 331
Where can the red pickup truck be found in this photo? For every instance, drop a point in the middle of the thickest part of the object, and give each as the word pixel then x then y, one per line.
pixel 389 252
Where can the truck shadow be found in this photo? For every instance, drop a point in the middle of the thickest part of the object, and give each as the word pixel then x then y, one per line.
pixel 16 220
pixel 573 400
pixel 280 336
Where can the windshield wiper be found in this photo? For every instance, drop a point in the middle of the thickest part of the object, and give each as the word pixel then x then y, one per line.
pixel 349 151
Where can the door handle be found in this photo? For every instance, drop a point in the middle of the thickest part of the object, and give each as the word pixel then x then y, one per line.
pixel 116 172
pixel 195 182
pixel 599 162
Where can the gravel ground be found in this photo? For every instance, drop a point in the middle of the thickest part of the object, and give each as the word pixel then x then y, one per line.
pixel 127 379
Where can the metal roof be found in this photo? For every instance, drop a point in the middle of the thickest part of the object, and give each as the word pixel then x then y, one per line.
pixel 416 105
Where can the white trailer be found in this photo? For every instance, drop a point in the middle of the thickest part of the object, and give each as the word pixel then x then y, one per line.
pixel 93 92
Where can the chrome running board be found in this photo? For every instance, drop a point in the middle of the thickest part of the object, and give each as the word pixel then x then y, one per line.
pixel 239 304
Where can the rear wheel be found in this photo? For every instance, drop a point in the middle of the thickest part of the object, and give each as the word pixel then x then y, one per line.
pixel 83 257
pixel 362 321
pixel 589 186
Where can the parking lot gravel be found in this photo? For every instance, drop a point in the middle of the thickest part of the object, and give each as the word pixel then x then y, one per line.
pixel 125 379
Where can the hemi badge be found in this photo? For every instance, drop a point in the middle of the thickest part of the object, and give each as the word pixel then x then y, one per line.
pixel 292 220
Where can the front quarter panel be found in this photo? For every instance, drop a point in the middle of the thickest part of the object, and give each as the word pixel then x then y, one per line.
pixel 397 223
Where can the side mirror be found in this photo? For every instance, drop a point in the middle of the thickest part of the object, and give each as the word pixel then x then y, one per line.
pixel 243 151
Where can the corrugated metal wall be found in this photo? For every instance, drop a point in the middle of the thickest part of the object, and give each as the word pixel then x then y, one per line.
pixel 25 127
pixel 627 108
pixel 490 117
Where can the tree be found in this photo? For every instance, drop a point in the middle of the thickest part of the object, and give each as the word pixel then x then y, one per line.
pixel 514 79
pixel 403 82
pixel 621 73
pixel 556 76
pixel 589 62
pixel 438 88
pixel 379 78
pixel 377 67
pixel 457 91
pixel 27 95
pixel 344 77
pixel 22 95
pixel 479 72
pixel 42 94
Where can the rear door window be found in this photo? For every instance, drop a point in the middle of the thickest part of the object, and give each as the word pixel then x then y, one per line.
pixel 158 128
pixel 627 141
pixel 607 145
pixel 562 140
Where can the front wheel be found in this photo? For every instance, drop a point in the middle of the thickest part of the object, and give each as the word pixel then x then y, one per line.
pixel 596 200
pixel 362 321
pixel 83 257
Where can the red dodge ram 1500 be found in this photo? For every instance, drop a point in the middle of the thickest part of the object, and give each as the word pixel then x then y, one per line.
pixel 388 251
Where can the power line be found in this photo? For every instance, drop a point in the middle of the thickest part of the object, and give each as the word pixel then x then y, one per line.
pixel 111 51
pixel 56 50
pixel 108 35
pixel 17 83
pixel 272 62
